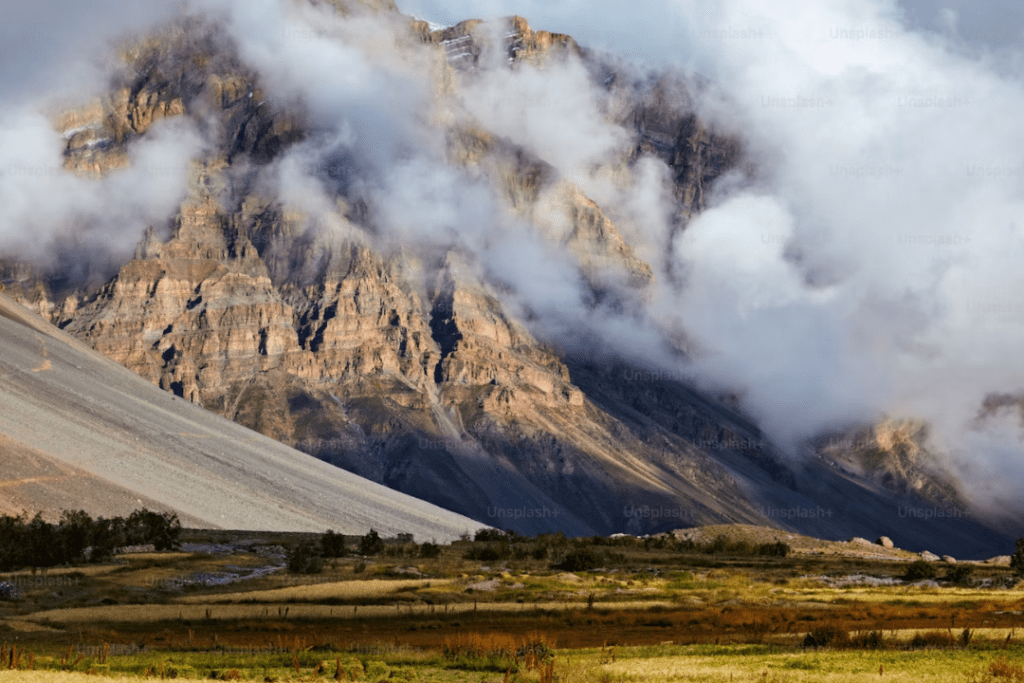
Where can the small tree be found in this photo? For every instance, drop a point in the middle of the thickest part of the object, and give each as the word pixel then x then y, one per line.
pixel 371 544
pixel 332 544
pixel 103 539
pixel 74 533
pixel 489 536
pixel 42 543
pixel 144 526
pixel 13 542
pixel 1017 559
pixel 305 559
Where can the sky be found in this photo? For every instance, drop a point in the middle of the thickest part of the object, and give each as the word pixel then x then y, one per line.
pixel 870 269
pixel 660 31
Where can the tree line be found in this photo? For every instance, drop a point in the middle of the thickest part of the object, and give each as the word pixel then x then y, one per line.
pixel 79 539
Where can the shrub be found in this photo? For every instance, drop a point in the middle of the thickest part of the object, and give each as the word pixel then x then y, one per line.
pixel 777 549
pixel 371 544
pixel 555 540
pixel 872 640
pixel 74 534
pixel 719 545
pixel 965 637
pixel 12 542
pixel 920 570
pixel 1001 668
pixel 959 574
pixel 1017 559
pixel 825 635
pixel 489 536
pixel 163 530
pixel 305 559
pixel 41 542
pixel 492 552
pixel 430 550
pixel 105 538
pixel 580 559
pixel 936 639
pixel 686 545
pixel 332 544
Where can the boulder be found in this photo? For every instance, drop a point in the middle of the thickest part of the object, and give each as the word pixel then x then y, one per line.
pixel 948 559
pixel 860 541
pixel 929 557
pixel 885 542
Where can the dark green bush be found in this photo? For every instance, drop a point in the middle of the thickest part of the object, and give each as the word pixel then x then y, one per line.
pixel 932 639
pixel 919 570
pixel 492 552
pixel 332 544
pixel 555 540
pixel 305 558
pixel 871 640
pixel 489 536
pixel 430 550
pixel 371 544
pixel 719 545
pixel 777 549
pixel 686 545
pixel 163 530
pixel 959 574
pixel 580 559
pixel 1017 559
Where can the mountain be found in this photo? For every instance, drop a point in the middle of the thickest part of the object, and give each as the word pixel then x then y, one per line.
pixel 78 431
pixel 408 362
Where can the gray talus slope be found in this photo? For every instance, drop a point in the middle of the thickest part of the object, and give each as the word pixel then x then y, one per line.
pixel 78 412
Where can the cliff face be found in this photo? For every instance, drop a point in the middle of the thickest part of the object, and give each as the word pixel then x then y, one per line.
pixel 409 368
pixel 429 386
pixel 895 454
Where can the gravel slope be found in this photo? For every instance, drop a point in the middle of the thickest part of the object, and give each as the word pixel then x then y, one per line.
pixel 66 409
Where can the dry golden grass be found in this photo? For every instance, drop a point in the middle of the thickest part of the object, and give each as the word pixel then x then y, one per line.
pixel 905 593
pixel 830 667
pixel 997 635
pixel 140 614
pixel 339 590
pixel 67 677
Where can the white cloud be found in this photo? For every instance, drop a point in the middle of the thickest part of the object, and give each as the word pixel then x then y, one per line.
pixel 42 204
pixel 552 111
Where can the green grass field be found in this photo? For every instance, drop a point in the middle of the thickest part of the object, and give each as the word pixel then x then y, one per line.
pixel 646 614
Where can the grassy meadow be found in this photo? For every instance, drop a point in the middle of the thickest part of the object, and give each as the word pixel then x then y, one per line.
pixel 227 608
